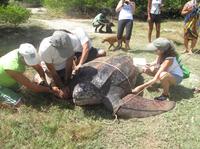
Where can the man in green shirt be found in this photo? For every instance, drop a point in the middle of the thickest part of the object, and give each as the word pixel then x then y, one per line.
pixel 12 67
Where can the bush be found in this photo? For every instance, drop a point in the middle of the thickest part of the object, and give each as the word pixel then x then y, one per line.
pixel 79 6
pixel 13 14
pixel 171 7
pixel 33 2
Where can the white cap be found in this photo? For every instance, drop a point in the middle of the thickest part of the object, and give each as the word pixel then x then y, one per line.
pixel 29 53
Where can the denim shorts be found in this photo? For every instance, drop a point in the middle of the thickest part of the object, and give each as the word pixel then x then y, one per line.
pixel 178 78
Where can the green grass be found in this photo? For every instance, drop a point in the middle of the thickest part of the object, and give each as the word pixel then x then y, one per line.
pixel 45 123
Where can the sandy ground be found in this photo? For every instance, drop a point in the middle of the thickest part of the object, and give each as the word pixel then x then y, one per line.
pixel 68 24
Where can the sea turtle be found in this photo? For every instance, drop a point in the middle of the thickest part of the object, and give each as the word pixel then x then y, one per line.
pixel 109 80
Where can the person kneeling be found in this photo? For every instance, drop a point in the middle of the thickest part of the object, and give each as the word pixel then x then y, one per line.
pixel 165 69
pixel 12 67
pixel 100 21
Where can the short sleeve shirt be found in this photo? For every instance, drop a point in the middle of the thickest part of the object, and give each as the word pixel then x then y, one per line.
pixel 50 54
pixel 10 61
pixel 79 37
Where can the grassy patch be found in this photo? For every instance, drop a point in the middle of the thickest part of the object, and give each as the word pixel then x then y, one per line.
pixel 45 123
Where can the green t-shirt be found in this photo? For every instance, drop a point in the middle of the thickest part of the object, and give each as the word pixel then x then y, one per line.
pixel 10 61
pixel 100 18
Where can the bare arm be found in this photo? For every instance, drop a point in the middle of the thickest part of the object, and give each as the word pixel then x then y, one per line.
pixel 119 6
pixel 133 7
pixel 149 7
pixel 84 55
pixel 165 65
pixel 149 10
pixel 21 79
pixel 56 78
pixel 40 71
pixel 68 68
pixel 186 10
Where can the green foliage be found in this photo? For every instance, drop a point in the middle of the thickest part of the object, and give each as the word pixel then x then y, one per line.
pixel 13 14
pixel 83 6
pixel 171 7
pixel 37 2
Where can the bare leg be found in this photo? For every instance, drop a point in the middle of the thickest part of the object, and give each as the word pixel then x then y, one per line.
pixel 157 30
pixel 193 44
pixel 186 40
pixel 166 81
pixel 150 31
pixel 127 45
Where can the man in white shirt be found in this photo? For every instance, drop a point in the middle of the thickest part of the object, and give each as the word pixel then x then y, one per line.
pixel 84 51
pixel 58 51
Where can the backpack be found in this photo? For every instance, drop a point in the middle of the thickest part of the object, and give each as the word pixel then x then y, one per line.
pixel 186 71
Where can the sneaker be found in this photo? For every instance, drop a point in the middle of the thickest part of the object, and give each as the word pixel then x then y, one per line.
pixel 162 97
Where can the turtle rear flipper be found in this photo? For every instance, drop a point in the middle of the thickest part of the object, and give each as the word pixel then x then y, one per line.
pixel 139 107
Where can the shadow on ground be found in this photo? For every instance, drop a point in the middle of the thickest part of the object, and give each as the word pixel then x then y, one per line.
pixel 42 102
pixel 181 92
pixel 97 112
pixel 11 38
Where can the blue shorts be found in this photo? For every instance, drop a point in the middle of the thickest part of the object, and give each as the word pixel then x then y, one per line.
pixel 178 78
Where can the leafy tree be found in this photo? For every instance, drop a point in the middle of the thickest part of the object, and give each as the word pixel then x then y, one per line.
pixel 13 14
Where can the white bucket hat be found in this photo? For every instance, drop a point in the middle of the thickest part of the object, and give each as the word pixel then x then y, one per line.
pixel 162 44
pixel 29 54
pixel 61 41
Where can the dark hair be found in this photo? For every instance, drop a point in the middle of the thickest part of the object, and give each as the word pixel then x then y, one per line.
pixel 171 52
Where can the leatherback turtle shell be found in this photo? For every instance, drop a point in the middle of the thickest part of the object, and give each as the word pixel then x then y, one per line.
pixel 99 78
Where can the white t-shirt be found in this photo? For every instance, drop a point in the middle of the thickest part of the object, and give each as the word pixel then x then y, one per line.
pixel 175 67
pixel 50 54
pixel 155 6
pixel 79 37
pixel 126 12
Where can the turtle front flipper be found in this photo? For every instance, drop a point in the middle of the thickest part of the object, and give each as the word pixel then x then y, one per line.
pixel 139 107
pixel 113 98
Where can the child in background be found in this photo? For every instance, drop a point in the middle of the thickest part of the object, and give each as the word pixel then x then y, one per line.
pixel 100 21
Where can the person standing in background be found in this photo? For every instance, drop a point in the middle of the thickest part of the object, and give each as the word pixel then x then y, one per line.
pixel 126 9
pixel 191 24
pixel 154 16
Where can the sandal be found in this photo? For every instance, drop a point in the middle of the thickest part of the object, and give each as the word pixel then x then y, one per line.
pixel 162 97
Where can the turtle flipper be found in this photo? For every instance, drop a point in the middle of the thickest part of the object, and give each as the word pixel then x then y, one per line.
pixel 113 98
pixel 139 107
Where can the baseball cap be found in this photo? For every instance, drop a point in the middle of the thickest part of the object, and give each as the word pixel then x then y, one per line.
pixel 29 54
pixel 162 44
pixel 61 41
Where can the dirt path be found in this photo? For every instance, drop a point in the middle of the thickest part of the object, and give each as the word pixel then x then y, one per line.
pixel 68 24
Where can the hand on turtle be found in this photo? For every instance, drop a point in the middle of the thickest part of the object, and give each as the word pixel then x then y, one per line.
pixel 58 92
pixel 76 69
